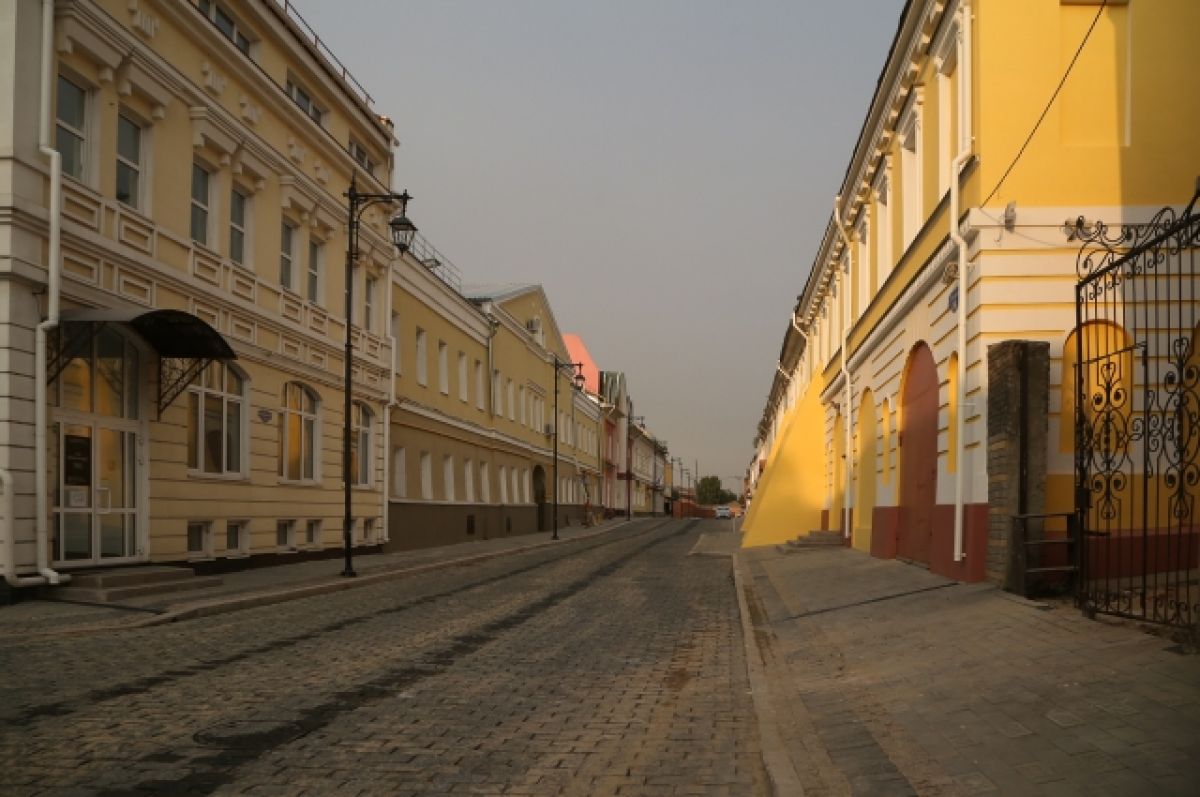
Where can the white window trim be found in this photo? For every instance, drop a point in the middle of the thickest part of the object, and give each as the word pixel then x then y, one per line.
pixel 422 359
pixel 243 471
pixel 314 292
pixel 443 368
pixel 210 209
pixel 912 168
pixel 290 255
pixel 145 175
pixel 399 473
pixel 315 453
pixel 247 226
pixel 464 387
pixel 426 476
pixel 448 478
pixel 89 171
pixel 360 411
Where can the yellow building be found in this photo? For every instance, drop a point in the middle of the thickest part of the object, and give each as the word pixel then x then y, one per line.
pixel 472 424
pixel 953 232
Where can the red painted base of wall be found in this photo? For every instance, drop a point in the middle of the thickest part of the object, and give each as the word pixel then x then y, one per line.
pixel 975 535
pixel 1124 554
pixel 824 520
pixel 888 533
pixel 885 530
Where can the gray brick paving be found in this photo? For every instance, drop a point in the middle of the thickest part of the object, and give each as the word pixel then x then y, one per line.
pixel 900 682
pixel 614 667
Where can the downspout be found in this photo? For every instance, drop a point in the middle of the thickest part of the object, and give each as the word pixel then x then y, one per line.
pixel 493 325
pixel 846 497
pixel 964 105
pixel 53 280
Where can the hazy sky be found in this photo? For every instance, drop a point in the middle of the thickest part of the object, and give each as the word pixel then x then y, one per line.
pixel 664 168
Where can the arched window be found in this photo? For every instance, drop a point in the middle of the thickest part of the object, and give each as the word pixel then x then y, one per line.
pixel 952 416
pixel 298 433
pixel 360 445
pixel 1107 374
pixel 216 421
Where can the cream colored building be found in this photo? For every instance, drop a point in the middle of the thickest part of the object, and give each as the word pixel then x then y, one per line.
pixel 171 207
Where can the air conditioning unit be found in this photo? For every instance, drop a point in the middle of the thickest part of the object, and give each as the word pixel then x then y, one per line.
pixel 534 325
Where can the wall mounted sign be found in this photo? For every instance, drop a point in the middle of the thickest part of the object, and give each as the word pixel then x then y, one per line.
pixel 264 416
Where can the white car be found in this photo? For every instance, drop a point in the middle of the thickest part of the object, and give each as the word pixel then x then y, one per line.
pixel 723 512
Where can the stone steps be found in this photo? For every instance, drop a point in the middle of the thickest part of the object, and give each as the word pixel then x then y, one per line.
pixel 818 539
pixel 111 586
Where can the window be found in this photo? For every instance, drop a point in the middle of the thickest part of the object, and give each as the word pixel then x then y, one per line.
pixel 199 538
pixel 369 526
pixel 479 388
pixel 464 388
pixel 503 485
pixel 301 97
pixel 215 421
pixel 315 258
pixel 512 415
pixel 71 128
pixel 399 474
pixel 235 538
pixel 526 483
pixel 200 203
pixel 883 228
pixel 496 408
pixel 468 481
pixel 129 161
pixel 287 250
pixel 422 359
pixel 370 289
pixel 448 477
pixel 521 403
pixel 226 23
pixel 516 490
pixel 298 433
pixel 485 486
pixel 238 211
pixel 426 476
pixel 443 368
pixel 395 329
pixel 312 533
pixel 862 265
pixel 285 533
pixel 360 445
pixel 361 156
pixel 910 177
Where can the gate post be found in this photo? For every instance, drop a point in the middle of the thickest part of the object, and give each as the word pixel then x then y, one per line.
pixel 1017 422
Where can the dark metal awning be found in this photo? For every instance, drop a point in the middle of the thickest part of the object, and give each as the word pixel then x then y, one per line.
pixel 185 344
pixel 171 333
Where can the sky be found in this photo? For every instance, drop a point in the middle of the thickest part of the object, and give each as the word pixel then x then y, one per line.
pixel 663 168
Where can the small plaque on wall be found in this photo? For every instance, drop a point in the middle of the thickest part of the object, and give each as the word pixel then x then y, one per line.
pixel 264 416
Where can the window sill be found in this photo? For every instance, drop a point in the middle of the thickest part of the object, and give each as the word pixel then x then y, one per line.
pixel 217 477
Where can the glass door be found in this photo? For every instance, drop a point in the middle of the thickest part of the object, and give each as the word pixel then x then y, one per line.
pixel 96 494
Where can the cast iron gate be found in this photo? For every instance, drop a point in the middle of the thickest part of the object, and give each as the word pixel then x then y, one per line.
pixel 1137 417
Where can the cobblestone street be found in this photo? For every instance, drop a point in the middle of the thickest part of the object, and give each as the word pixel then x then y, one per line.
pixel 611 666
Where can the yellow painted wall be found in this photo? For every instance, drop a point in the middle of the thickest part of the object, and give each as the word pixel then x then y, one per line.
pixel 865 469
pixel 1121 131
pixel 791 491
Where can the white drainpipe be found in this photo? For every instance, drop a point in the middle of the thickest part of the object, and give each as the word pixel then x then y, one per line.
pixel 846 497
pixel 53 279
pixel 964 106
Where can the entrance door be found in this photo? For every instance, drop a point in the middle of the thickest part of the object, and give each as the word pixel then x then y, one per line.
pixel 918 456
pixel 95 437
pixel 96 496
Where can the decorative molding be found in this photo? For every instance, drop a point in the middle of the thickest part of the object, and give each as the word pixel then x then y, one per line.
pixel 214 81
pixel 251 113
pixel 144 23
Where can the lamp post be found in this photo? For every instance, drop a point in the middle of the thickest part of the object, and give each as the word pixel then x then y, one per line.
pixel 577 378
pixel 402 232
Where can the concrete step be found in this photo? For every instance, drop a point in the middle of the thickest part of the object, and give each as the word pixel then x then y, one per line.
pixel 114 586
pixel 129 576
pixel 817 538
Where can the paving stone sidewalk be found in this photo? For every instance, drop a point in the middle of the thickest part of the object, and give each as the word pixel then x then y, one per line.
pixel 264 585
pixel 886 679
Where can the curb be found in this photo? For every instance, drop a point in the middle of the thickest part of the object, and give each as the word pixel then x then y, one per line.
pixel 270 597
pixel 775 757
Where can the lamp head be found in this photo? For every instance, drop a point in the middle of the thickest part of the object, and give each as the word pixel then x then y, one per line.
pixel 402 228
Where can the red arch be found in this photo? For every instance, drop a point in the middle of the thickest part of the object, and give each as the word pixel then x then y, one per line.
pixel 918 454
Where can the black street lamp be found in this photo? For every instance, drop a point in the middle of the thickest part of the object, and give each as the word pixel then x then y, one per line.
pixel 577 379
pixel 402 232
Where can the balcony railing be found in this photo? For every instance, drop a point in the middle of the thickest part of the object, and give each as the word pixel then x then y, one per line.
pixel 428 255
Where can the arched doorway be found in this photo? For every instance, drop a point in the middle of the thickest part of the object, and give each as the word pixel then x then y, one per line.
pixel 864 473
pixel 539 497
pixel 918 454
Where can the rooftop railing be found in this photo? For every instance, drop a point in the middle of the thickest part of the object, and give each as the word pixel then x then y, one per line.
pixel 428 256
pixel 332 60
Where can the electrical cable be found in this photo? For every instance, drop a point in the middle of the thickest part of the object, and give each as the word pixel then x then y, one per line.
pixel 1049 104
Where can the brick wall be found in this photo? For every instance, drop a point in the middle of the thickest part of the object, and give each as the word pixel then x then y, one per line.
pixel 1018 390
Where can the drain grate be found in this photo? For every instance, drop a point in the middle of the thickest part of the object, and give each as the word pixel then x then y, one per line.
pixel 248 734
